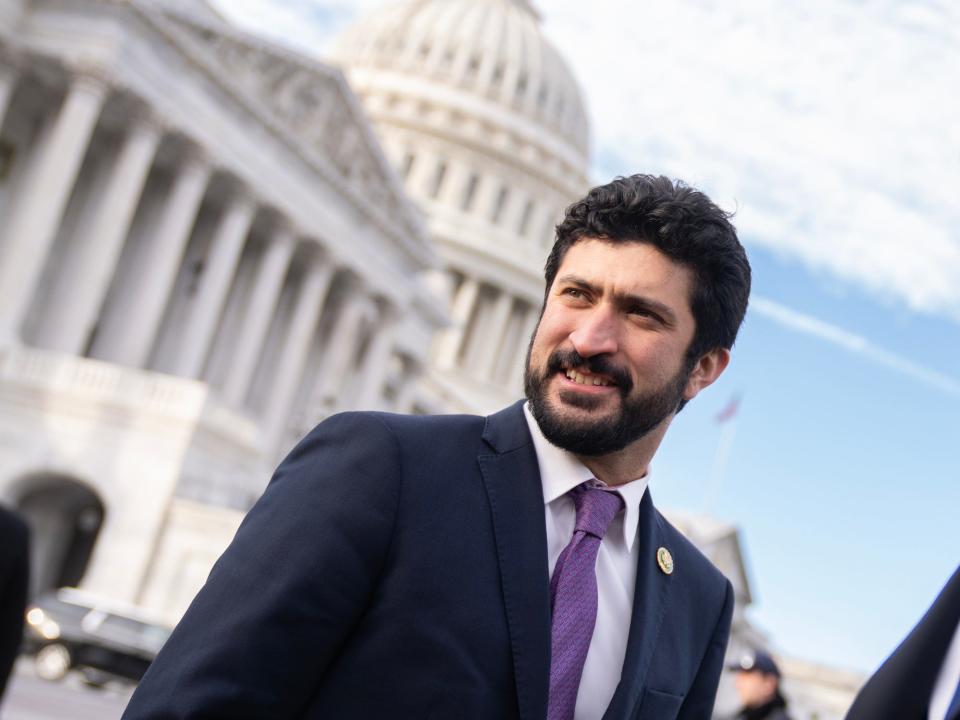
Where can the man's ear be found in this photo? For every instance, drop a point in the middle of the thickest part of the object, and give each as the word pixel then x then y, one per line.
pixel 708 368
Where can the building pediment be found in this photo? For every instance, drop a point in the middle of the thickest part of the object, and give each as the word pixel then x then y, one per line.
pixel 312 103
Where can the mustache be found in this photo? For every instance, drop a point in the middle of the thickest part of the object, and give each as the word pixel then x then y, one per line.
pixel 560 360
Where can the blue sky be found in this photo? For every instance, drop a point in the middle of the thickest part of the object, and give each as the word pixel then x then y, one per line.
pixel 833 126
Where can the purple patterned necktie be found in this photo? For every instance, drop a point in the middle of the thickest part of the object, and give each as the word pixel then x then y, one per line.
pixel 573 596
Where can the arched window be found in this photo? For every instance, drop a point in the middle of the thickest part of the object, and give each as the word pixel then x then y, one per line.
pixel 65 516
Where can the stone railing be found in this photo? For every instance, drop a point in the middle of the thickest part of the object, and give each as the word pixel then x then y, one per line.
pixel 56 374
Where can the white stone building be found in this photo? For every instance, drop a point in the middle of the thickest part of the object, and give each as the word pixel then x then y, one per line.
pixel 203 252
pixel 486 124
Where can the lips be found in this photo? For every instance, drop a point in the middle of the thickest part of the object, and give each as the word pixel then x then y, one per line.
pixel 595 371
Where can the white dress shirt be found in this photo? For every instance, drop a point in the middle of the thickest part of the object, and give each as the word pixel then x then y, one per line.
pixel 947 680
pixel 560 472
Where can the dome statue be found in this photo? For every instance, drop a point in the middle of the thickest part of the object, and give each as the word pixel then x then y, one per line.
pixel 486 125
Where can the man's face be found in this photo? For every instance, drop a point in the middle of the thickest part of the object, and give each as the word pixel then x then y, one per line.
pixel 755 688
pixel 607 362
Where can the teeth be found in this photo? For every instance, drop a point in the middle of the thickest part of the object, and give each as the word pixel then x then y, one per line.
pixel 582 379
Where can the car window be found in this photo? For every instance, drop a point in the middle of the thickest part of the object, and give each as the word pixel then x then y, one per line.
pixel 133 632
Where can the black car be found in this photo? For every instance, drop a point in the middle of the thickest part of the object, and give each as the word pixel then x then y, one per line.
pixel 73 629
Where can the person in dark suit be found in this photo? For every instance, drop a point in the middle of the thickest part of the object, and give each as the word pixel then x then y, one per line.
pixel 505 567
pixel 14 575
pixel 921 679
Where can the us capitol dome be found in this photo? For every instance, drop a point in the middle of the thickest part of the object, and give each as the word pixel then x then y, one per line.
pixel 487 128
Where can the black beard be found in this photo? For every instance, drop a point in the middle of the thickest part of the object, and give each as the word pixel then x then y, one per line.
pixel 638 415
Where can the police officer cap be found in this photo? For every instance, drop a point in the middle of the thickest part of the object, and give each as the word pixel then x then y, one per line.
pixel 758 660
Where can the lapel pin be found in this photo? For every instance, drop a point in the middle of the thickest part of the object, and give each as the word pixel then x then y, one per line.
pixel 665 561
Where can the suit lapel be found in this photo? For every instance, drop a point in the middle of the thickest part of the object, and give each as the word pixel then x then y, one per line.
pixel 649 607
pixel 512 479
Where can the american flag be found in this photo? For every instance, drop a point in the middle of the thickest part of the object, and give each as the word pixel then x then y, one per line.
pixel 729 410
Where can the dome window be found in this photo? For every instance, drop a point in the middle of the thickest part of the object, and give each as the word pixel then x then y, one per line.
pixel 469 192
pixel 499 206
pixel 521 85
pixel 406 165
pixel 437 182
pixel 473 66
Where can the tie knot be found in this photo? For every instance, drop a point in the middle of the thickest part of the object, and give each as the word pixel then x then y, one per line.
pixel 596 508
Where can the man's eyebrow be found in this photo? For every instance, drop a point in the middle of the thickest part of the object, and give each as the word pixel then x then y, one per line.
pixel 570 279
pixel 625 300
pixel 629 301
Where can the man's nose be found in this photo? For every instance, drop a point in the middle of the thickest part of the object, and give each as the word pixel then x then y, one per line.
pixel 596 334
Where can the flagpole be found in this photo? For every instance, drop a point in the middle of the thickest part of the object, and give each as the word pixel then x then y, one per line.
pixel 721 457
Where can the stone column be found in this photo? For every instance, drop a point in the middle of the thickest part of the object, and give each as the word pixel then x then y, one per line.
pixel 421 176
pixel 448 346
pixel 219 268
pixel 9 74
pixel 494 330
pixel 519 364
pixel 376 363
pixel 296 348
pixel 95 249
pixel 455 184
pixel 40 202
pixel 260 308
pixel 128 335
pixel 488 192
pixel 407 392
pixel 340 348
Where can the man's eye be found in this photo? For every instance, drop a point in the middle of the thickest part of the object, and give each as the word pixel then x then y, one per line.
pixel 574 292
pixel 644 313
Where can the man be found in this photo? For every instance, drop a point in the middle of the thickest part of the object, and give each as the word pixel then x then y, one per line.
pixel 758 685
pixel 14 567
pixel 921 679
pixel 504 567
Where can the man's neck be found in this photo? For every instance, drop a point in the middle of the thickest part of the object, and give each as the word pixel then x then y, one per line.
pixel 628 464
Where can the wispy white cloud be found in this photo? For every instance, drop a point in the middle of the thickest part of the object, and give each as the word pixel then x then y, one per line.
pixel 852 342
pixel 832 125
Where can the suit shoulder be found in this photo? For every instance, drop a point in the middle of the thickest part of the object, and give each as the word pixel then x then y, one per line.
pixel 415 426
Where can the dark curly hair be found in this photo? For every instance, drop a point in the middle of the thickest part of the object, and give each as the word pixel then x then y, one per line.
pixel 683 224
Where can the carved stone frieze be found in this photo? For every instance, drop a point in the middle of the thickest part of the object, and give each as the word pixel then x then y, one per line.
pixel 309 101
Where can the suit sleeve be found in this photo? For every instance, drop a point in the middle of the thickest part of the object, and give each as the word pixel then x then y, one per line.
pixel 294 582
pixel 14 572
pixel 700 700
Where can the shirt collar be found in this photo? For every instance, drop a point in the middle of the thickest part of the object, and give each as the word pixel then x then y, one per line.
pixel 561 471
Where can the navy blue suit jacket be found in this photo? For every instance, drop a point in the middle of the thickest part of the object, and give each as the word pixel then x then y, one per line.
pixel 901 688
pixel 396 567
